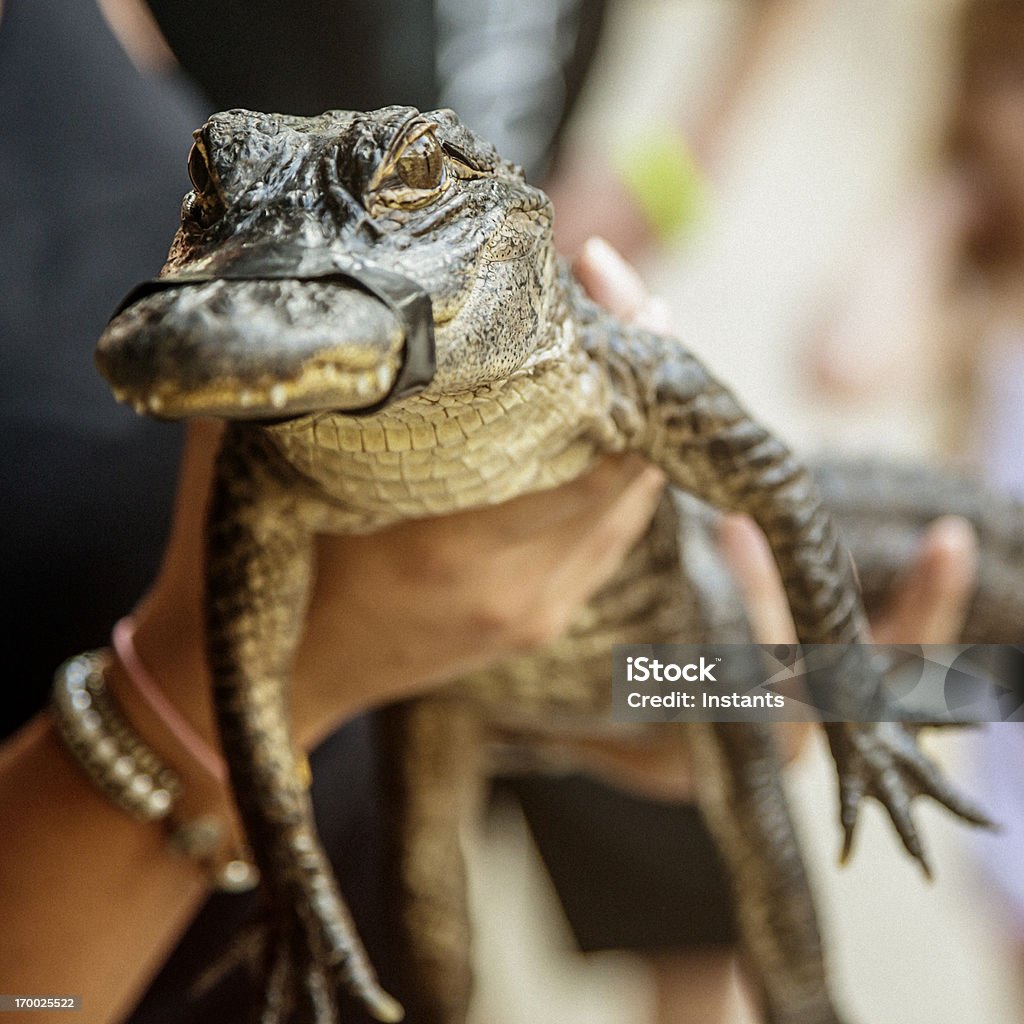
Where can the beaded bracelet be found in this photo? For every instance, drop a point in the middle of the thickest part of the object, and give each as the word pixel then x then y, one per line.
pixel 127 772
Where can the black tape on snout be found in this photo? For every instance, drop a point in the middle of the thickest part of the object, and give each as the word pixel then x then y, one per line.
pixel 403 296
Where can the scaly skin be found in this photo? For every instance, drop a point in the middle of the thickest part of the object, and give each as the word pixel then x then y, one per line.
pixel 532 386
pixel 259 571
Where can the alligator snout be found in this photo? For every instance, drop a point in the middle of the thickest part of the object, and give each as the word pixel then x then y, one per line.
pixel 253 349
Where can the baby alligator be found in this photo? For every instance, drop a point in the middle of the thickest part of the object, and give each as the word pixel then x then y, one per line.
pixel 374 303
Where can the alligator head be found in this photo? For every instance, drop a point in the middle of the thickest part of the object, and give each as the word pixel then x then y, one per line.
pixel 318 261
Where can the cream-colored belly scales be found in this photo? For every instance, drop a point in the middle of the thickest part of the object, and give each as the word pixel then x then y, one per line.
pixel 434 454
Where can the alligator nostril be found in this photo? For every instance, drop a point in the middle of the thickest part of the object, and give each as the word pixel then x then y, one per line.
pixel 369 226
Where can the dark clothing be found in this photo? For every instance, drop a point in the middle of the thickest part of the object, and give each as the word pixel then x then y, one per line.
pixel 631 873
pixel 305 56
pixel 92 171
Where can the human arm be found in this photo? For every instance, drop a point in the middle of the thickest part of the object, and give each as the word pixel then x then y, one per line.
pixel 97 923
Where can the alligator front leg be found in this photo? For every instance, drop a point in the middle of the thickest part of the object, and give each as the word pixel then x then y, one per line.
pixel 258 576
pixel 695 430
pixel 740 793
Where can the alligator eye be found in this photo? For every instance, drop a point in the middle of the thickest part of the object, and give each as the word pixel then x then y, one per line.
pixel 421 165
pixel 198 172
pixel 205 205
pixel 415 174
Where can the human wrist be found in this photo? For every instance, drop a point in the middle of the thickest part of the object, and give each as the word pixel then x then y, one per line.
pixel 126 749
pixel 90 898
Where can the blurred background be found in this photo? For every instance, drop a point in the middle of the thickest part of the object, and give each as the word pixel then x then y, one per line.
pixel 828 193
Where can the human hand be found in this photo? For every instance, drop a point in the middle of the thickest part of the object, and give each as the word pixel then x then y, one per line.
pixel 614 284
pixel 927 605
pixel 426 601
pixel 930 602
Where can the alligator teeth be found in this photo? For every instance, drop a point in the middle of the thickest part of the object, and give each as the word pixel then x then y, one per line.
pixel 155 403
pixel 246 398
pixel 278 396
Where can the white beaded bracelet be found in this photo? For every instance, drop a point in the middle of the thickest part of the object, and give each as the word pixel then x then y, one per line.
pixel 127 772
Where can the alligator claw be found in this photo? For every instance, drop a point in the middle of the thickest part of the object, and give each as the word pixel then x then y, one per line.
pixel 276 992
pixel 299 983
pixel 297 987
pixel 882 760
pixel 317 978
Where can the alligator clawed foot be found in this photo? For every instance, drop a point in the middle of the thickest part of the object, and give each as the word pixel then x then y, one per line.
pixel 297 989
pixel 378 1003
pixel 303 977
pixel 882 760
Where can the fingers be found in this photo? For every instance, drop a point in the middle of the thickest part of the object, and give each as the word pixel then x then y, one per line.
pixel 612 283
pixel 929 604
pixel 571 507
pixel 748 555
pixel 594 545
pixel 657 770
